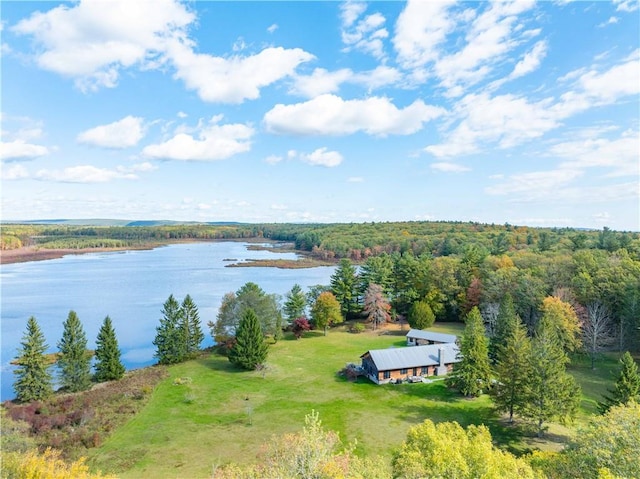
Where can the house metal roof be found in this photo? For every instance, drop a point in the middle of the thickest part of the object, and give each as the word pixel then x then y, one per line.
pixel 431 336
pixel 412 357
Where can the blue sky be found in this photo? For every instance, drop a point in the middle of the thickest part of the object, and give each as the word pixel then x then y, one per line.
pixel 517 112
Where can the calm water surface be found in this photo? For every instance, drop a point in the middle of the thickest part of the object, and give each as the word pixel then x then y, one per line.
pixel 130 287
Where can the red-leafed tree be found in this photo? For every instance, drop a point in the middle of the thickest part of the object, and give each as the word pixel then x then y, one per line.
pixel 299 326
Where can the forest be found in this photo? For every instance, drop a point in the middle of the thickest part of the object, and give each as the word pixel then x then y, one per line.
pixel 528 302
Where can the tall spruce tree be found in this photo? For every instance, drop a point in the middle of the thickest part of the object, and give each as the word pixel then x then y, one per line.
pixel 626 387
pixel 506 321
pixel 250 348
pixel 170 338
pixel 74 361
pixel 108 365
pixel 472 374
pixel 513 368
pixel 344 286
pixel 295 303
pixel 552 393
pixel 33 379
pixel 191 327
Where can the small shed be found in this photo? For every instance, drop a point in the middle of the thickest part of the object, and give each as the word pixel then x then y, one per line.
pixel 383 365
pixel 419 337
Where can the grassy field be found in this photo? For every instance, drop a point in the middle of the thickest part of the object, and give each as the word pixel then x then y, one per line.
pixel 208 413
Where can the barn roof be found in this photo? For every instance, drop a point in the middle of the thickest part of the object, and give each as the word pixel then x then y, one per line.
pixel 412 357
pixel 431 336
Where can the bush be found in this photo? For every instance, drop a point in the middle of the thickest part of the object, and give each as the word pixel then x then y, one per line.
pixel 356 328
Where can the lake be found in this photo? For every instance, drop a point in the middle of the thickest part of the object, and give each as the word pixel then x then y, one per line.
pixel 130 287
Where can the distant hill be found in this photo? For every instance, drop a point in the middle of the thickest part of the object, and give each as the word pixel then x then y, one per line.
pixel 113 222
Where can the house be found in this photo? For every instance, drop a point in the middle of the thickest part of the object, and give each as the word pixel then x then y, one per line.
pixel 418 337
pixel 383 365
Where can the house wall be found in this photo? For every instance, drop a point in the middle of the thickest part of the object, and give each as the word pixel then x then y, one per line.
pixel 398 374
pixel 421 342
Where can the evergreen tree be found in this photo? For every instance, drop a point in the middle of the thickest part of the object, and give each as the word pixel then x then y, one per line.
pixel 250 348
pixel 344 285
pixel 626 387
pixel 108 366
pixel 552 393
pixel 506 321
pixel 74 361
pixel 170 338
pixel 421 315
pixel 191 327
pixel 295 303
pixel 33 379
pixel 472 374
pixel 513 368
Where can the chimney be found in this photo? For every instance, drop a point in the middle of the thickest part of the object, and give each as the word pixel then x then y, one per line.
pixel 441 356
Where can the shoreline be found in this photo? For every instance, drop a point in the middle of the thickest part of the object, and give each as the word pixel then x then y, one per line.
pixel 27 254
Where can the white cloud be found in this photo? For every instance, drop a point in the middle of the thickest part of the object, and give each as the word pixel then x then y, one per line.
pixel 13 172
pixel 350 11
pixel 322 157
pixel 273 159
pixel 626 5
pixel 211 142
pixel 506 119
pixel 619 155
pixel 535 185
pixel 234 79
pixel 603 217
pixel 449 167
pixel 367 34
pixel 83 174
pixel 21 150
pixel 489 39
pixel 611 21
pixel 531 60
pixel 272 28
pixel 331 115
pixel 320 82
pixel 123 133
pixel 420 29
pixel 93 40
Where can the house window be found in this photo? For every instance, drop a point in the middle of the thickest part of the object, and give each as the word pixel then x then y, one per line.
pixel 425 370
pixel 403 371
pixel 387 374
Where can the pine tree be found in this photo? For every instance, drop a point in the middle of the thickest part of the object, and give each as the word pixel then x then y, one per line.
pixel 33 379
pixel 552 393
pixel 344 284
pixel 191 327
pixel 513 368
pixel 108 365
pixel 421 315
pixel 295 303
pixel 472 374
pixel 250 348
pixel 506 321
pixel 74 361
pixel 626 387
pixel 169 340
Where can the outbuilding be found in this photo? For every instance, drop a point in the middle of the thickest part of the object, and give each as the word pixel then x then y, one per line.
pixel 419 337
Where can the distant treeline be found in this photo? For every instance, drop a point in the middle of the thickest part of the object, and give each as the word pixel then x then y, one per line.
pixel 356 241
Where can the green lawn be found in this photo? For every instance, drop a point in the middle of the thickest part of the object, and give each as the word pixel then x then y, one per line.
pixel 220 414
